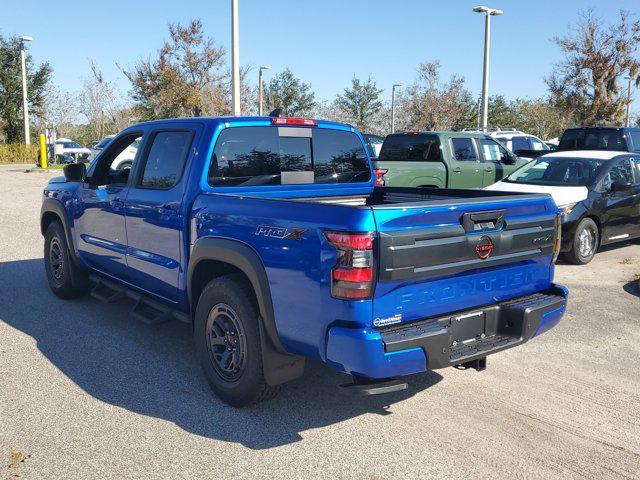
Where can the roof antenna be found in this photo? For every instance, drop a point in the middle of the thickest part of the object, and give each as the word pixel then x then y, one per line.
pixel 276 112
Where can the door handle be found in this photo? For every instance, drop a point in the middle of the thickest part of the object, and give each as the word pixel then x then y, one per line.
pixel 488 169
pixel 457 170
pixel 168 209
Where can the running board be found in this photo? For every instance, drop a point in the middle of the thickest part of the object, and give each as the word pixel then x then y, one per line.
pixel 144 309
pixel 370 386
pixel 107 293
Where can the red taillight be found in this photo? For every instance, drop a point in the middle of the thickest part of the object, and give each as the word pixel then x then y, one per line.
pixel 308 122
pixel 379 173
pixel 353 274
pixel 352 277
pixel 354 241
pixel 411 133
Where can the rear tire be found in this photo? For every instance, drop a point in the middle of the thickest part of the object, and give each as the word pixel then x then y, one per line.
pixel 585 243
pixel 226 335
pixel 65 278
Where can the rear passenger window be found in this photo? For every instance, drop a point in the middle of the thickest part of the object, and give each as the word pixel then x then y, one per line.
pixel 463 150
pixel 165 160
pixel 245 156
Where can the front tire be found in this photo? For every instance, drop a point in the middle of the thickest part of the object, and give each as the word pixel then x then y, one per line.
pixel 227 342
pixel 65 278
pixel 585 243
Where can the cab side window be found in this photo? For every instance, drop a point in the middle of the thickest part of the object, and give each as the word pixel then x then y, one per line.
pixel 464 150
pixel 165 160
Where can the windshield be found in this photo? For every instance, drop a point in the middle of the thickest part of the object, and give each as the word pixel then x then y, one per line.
pixel 593 139
pixel 571 172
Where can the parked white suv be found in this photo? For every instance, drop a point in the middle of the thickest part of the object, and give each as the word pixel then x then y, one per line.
pixel 516 140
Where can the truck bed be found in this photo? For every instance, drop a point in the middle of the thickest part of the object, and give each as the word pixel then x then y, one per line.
pixel 416 197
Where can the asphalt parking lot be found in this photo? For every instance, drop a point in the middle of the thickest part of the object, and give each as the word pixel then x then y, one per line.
pixel 88 392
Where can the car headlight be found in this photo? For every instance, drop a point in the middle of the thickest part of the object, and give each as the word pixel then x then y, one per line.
pixel 566 209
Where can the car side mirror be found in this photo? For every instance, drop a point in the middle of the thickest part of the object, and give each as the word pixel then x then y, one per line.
pixel 75 172
pixel 509 159
pixel 619 186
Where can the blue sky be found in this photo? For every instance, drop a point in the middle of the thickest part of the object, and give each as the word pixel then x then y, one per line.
pixel 323 42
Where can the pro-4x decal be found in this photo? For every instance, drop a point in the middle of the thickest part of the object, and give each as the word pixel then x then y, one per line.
pixel 281 232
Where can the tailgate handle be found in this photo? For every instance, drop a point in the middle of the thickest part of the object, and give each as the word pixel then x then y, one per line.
pixel 481 221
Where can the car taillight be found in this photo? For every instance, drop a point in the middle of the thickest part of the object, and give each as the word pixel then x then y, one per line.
pixel 556 247
pixel 379 173
pixel 352 277
pixel 308 122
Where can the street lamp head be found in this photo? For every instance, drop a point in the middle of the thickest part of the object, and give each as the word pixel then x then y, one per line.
pixel 487 10
pixel 26 38
pixel 265 67
pixel 397 85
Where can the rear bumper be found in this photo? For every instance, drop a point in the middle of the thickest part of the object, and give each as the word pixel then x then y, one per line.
pixel 444 341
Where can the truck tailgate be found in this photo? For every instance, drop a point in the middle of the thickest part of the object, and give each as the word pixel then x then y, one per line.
pixel 445 256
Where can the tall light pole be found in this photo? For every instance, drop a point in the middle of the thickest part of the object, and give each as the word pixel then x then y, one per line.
pixel 393 106
pixel 25 101
pixel 628 101
pixel 235 58
pixel 489 12
pixel 263 67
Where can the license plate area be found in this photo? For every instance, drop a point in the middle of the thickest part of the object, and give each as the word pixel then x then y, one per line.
pixel 468 327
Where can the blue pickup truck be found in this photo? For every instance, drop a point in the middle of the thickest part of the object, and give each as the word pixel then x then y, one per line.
pixel 269 237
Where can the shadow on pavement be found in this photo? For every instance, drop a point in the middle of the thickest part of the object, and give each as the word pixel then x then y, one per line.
pixel 151 370
pixel 632 287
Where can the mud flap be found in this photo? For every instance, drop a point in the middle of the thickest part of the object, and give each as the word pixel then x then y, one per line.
pixel 278 368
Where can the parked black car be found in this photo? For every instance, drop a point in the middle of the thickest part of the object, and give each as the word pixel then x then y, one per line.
pixel 597 194
pixel 620 139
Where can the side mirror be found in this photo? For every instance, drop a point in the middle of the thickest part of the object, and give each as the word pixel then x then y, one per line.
pixel 75 172
pixel 509 159
pixel 619 186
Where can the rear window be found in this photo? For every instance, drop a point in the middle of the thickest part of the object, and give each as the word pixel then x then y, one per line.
pixel 410 148
pixel 246 156
pixel 593 139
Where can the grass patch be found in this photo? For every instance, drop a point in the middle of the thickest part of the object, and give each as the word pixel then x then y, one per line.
pixel 18 153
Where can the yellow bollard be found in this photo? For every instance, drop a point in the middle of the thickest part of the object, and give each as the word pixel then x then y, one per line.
pixel 43 151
